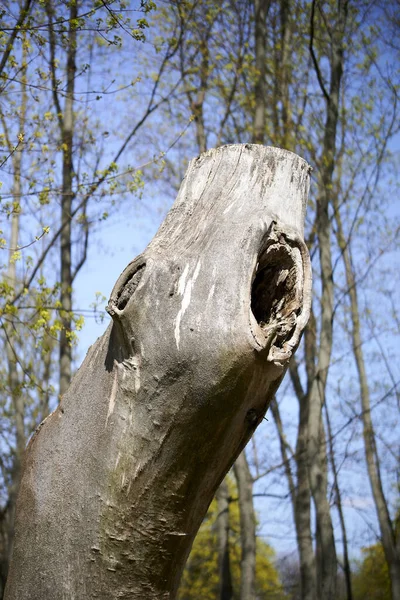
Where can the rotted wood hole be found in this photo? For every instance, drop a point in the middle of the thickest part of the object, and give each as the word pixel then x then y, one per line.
pixel 277 289
pixel 129 287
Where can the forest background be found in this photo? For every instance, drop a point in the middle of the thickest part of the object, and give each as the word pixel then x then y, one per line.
pixel 102 104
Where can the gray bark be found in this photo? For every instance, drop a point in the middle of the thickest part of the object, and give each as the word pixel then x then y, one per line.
pixel 118 479
pixel 224 563
pixel 247 529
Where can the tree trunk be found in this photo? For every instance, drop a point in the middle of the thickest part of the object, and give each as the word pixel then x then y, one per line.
pixel 339 505
pixel 224 565
pixel 10 328
pixel 118 479
pixel 316 443
pixel 282 49
pixel 386 526
pixel 247 529
pixel 302 506
pixel 261 8
pixel 66 209
pixel 14 381
pixel 283 80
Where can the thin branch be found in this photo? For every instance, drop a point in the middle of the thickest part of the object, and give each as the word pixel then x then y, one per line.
pixel 37 239
pixel 22 16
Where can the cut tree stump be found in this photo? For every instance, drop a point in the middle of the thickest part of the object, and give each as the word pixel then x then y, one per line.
pixel 118 478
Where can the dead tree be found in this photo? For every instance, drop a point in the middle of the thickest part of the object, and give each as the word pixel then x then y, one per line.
pixel 118 479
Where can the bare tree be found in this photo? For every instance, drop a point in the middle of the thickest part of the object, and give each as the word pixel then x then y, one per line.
pixel 389 536
pixel 65 117
pixel 316 450
pixel 121 474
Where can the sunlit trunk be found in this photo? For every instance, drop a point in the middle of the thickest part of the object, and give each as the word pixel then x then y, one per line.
pixel 118 479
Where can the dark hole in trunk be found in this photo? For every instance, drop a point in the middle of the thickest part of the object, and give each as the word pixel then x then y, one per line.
pixel 274 299
pixel 129 287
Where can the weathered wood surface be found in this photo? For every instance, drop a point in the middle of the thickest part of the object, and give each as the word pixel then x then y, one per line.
pixel 117 480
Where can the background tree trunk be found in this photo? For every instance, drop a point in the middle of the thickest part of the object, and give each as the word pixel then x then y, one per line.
pixel 67 134
pixel 339 505
pixel 224 567
pixel 120 476
pixel 386 526
pixel 261 8
pixel 316 440
pixel 10 328
pixel 302 506
pixel 247 528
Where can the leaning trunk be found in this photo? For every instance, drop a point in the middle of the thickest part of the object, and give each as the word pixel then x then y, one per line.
pixel 118 479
